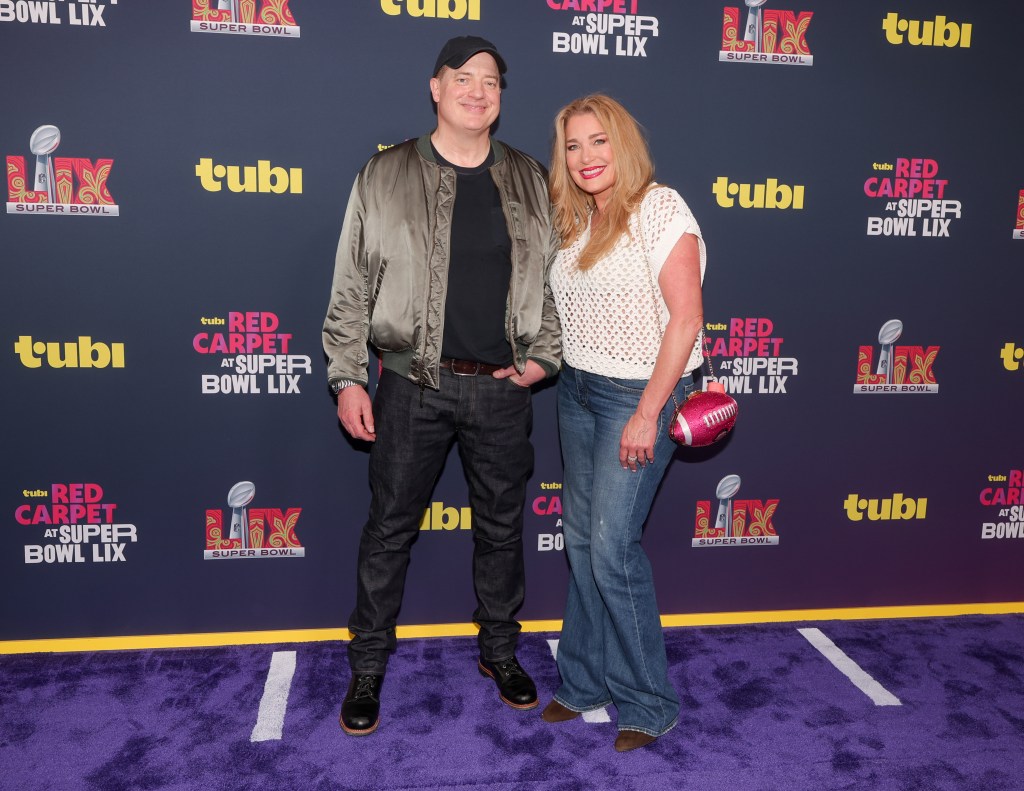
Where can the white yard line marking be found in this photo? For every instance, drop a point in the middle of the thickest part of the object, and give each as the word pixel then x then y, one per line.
pixel 273 705
pixel 879 695
pixel 597 715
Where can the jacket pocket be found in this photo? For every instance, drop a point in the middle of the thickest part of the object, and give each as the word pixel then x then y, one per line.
pixel 390 310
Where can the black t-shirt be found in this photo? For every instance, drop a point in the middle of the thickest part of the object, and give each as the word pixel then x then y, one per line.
pixel 479 269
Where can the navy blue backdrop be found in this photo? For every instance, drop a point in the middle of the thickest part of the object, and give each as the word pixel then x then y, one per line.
pixel 854 169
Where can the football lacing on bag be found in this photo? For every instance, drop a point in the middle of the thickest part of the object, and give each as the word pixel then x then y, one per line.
pixel 719 415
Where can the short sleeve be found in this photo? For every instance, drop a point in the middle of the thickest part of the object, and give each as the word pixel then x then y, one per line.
pixel 664 218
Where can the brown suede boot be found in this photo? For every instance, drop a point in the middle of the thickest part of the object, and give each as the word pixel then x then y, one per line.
pixel 556 712
pixel 629 740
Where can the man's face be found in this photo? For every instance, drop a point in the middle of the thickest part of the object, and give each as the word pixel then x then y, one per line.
pixel 469 97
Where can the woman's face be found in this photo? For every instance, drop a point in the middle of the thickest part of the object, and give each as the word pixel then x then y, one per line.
pixel 589 157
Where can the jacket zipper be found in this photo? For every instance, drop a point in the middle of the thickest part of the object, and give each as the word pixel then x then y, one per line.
pixel 509 333
pixel 430 280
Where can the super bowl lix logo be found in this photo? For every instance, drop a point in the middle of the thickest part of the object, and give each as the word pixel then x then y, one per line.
pixel 769 36
pixel 255 356
pixel 245 17
pixel 737 522
pixel 613 27
pixel 58 185
pixel 252 532
pixel 77 521
pixel 1018 231
pixel 900 369
pixel 750 358
pixel 1004 496
pixel 914 197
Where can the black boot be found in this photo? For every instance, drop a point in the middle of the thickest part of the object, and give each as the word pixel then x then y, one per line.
pixel 515 687
pixel 360 713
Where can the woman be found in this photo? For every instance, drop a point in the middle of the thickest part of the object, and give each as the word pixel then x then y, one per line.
pixel 627 285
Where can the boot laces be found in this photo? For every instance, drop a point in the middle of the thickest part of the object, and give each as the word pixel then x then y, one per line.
pixel 364 686
pixel 510 667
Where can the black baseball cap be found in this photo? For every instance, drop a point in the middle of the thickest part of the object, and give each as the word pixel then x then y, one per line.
pixel 458 50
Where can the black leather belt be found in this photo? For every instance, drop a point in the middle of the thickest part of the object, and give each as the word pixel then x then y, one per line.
pixel 468 367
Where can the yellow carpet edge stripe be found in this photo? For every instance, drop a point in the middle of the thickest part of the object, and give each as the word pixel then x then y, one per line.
pixel 213 639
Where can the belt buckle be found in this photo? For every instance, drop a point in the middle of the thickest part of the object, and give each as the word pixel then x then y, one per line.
pixel 465 368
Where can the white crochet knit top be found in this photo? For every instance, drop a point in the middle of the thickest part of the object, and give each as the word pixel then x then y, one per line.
pixel 609 325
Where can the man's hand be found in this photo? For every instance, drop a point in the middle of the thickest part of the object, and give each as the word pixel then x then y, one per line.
pixel 355 411
pixel 533 374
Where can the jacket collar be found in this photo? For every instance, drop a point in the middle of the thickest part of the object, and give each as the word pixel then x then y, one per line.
pixel 425 150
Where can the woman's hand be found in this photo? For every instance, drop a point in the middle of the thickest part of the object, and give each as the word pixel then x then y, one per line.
pixel 636 447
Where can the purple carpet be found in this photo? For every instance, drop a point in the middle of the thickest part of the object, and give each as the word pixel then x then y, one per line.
pixel 763 710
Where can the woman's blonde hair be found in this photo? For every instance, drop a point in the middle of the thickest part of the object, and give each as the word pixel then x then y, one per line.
pixel 634 172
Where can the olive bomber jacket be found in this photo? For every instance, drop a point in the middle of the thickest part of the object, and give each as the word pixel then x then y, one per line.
pixel 391 269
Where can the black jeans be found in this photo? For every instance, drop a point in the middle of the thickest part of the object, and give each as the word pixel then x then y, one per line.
pixel 491 421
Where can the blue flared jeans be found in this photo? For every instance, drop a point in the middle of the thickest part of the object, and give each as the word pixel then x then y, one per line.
pixel 612 649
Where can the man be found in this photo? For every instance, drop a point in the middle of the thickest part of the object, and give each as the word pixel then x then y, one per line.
pixel 441 267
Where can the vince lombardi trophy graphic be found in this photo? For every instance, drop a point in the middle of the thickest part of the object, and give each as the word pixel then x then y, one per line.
pixel 754 27
pixel 239 497
pixel 887 336
pixel 43 143
pixel 725 491
pixel 232 6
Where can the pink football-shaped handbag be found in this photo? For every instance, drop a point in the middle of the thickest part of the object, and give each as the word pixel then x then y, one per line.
pixel 703 418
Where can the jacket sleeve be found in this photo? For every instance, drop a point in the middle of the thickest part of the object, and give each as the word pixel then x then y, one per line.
pixel 347 323
pixel 547 349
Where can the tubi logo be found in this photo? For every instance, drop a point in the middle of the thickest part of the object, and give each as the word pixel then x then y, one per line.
pixel 896 508
pixel 770 195
pixel 435 9
pixel 439 517
pixel 769 36
pixel 938 33
pixel 1011 354
pixel 259 178
pixel 60 185
pixel 83 354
